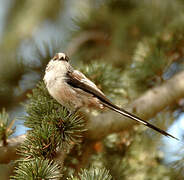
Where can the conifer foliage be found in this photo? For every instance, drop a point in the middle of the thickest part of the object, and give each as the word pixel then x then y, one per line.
pixel 127 48
pixel 52 129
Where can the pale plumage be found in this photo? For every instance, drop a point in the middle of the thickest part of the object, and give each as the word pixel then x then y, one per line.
pixel 74 90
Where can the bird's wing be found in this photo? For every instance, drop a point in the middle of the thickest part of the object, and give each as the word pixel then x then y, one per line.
pixel 78 80
pixel 83 79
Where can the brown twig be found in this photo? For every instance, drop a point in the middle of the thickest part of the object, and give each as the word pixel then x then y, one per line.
pixel 8 153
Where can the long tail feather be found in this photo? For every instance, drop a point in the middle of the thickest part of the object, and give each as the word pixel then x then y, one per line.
pixel 135 118
pixel 77 83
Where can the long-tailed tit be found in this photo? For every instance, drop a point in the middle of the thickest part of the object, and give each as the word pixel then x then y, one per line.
pixel 74 90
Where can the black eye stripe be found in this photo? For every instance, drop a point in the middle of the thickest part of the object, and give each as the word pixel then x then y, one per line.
pixel 62 58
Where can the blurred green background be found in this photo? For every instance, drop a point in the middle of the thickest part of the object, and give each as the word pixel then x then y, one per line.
pixel 140 42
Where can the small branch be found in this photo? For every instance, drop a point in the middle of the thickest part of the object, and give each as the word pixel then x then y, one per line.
pixel 8 153
pixel 4 140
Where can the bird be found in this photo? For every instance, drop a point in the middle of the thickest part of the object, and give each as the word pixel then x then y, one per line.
pixel 72 89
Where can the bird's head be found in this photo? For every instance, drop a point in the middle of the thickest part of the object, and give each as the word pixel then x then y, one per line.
pixel 60 57
pixel 58 63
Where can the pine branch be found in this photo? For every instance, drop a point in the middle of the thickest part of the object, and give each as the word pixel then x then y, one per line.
pixel 92 174
pixel 37 169
pixel 5 127
pixel 52 129
pixel 43 109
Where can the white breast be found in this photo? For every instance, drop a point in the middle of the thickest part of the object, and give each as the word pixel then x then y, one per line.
pixel 55 82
